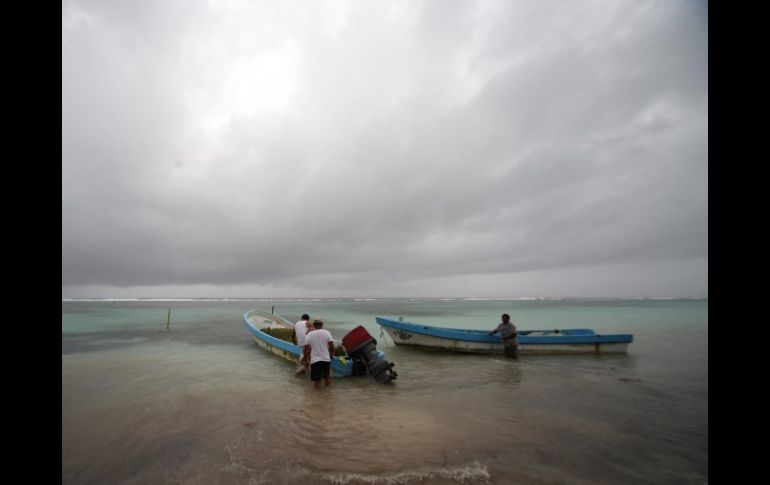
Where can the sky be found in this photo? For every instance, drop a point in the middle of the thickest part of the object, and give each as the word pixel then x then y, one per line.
pixel 372 148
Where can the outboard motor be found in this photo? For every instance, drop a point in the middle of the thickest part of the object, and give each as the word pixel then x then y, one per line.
pixel 362 348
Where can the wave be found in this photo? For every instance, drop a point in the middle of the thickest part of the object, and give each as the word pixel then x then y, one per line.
pixel 475 472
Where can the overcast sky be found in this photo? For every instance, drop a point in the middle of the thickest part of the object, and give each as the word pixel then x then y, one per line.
pixel 446 148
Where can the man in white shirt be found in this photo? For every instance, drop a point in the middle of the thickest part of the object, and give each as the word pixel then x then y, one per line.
pixel 301 328
pixel 319 350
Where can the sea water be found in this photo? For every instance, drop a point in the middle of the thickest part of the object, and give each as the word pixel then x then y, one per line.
pixel 201 403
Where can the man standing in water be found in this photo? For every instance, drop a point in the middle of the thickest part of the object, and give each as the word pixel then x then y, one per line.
pixel 301 328
pixel 507 332
pixel 319 350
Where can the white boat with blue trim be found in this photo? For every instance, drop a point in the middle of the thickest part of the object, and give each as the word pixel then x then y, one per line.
pixel 357 354
pixel 568 341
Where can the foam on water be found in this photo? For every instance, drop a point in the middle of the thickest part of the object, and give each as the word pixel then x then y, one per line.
pixel 473 473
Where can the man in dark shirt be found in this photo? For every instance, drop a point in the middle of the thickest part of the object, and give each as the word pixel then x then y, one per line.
pixel 507 331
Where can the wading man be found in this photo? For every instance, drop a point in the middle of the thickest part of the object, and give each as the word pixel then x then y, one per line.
pixel 319 350
pixel 507 332
pixel 301 328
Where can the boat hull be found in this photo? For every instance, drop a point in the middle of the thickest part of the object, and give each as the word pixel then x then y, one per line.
pixel 575 341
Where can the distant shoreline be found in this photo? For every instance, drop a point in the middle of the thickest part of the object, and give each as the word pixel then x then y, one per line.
pixel 582 298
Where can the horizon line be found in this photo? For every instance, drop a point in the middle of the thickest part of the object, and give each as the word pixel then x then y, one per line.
pixel 389 298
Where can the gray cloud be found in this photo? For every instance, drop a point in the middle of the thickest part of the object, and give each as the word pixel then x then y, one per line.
pixel 384 148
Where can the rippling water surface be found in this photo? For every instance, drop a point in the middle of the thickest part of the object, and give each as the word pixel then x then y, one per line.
pixel 201 403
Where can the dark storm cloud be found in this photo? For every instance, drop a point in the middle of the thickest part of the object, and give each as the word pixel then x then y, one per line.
pixel 365 148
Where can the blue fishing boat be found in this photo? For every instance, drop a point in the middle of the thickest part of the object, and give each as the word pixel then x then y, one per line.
pixel 576 340
pixel 356 355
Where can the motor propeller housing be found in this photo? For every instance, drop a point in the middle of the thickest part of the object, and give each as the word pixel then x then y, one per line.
pixel 362 347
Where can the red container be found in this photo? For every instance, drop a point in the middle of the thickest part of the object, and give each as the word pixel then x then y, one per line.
pixel 355 338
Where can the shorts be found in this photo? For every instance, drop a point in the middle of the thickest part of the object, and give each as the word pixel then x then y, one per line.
pixel 320 370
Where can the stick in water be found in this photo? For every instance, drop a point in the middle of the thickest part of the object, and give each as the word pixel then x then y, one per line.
pixel 168 320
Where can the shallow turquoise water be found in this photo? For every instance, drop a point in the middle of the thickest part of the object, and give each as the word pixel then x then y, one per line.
pixel 202 403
